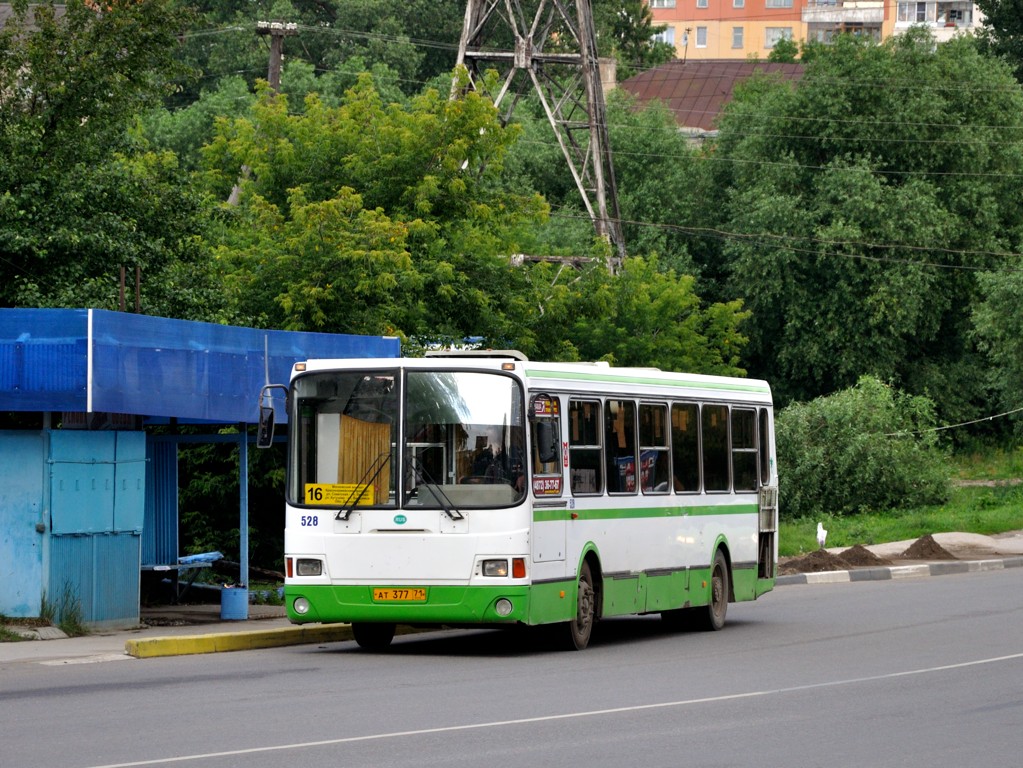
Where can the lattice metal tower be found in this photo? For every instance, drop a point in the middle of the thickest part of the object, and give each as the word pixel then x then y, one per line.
pixel 554 42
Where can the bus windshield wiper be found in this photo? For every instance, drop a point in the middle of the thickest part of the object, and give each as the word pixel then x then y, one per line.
pixel 423 475
pixel 365 483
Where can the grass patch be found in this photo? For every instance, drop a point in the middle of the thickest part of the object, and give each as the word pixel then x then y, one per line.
pixel 8 635
pixel 65 612
pixel 994 464
pixel 971 509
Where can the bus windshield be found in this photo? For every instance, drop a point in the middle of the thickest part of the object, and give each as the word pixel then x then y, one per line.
pixel 462 441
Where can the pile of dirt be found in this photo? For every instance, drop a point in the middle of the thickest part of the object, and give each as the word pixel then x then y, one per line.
pixel 861 557
pixel 926 548
pixel 814 562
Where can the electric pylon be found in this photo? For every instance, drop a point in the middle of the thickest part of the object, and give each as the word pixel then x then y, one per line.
pixel 554 43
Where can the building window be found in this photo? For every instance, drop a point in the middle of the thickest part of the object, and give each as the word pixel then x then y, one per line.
pixel 737 37
pixel 701 37
pixel 778 4
pixel 667 36
pixel 701 3
pixel 738 3
pixel 916 12
pixel 662 3
pixel 773 34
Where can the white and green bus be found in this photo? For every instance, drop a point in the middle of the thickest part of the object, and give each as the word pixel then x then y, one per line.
pixel 486 490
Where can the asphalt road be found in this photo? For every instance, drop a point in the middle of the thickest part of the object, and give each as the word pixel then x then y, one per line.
pixel 920 672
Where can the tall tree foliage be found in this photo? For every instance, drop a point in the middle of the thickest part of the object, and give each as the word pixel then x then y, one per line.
pixel 415 40
pixel 625 30
pixel 1002 31
pixel 381 218
pixel 376 218
pixel 78 196
pixel 861 203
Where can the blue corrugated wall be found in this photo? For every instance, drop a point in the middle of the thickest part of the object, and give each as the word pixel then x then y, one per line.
pixel 160 531
pixel 97 494
pixel 22 522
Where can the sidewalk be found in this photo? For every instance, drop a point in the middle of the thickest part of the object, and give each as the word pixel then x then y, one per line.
pixel 192 629
pixel 967 552
pixel 173 630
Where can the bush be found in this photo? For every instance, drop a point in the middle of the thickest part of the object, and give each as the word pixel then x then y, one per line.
pixel 867 448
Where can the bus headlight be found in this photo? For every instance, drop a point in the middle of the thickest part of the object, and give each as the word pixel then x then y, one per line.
pixel 495 567
pixel 308 567
pixel 301 605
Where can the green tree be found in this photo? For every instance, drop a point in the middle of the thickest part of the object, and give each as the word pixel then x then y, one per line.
pixel 647 317
pixel 368 218
pixel 784 51
pixel 868 448
pixel 1002 31
pixel 860 204
pixel 999 323
pixel 79 195
pixel 628 28
pixel 413 40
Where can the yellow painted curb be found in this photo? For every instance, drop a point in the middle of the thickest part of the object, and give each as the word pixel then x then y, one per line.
pixel 183 645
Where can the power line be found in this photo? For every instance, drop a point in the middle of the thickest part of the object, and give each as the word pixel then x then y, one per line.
pixel 907 433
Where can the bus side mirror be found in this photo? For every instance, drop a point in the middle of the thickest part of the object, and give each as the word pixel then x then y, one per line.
pixel 265 434
pixel 546 442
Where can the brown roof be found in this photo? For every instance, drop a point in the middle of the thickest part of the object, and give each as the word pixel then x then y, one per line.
pixel 696 91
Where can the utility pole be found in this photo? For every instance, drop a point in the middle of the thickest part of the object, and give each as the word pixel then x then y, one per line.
pixel 510 36
pixel 277 30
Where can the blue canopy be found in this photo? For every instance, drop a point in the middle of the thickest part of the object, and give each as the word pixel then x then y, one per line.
pixel 96 361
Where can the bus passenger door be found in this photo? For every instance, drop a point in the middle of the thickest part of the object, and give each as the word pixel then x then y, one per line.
pixel 547 467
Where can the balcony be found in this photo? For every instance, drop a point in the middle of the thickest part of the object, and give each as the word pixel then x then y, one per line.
pixel 937 15
pixel 843 12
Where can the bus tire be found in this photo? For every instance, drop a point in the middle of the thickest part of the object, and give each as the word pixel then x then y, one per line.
pixel 373 637
pixel 711 617
pixel 576 633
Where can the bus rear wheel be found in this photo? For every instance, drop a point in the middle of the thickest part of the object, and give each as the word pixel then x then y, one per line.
pixel 712 617
pixel 373 637
pixel 576 633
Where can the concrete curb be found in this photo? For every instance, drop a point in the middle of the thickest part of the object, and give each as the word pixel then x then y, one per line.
pixel 887 573
pixel 183 645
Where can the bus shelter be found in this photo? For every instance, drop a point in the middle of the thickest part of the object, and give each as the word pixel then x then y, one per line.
pixel 88 490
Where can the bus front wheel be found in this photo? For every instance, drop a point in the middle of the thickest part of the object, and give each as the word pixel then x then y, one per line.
pixel 577 632
pixel 373 637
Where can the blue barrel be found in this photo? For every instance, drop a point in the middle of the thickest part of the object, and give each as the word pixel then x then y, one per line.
pixel 234 603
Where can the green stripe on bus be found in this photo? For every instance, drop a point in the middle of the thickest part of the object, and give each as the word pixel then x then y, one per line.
pixel 553 515
pixel 604 376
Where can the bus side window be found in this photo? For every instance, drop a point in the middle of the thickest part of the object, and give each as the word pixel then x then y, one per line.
pixel 685 447
pixel 715 448
pixel 765 452
pixel 620 446
pixel 744 449
pixel 584 447
pixel 545 433
pixel 653 448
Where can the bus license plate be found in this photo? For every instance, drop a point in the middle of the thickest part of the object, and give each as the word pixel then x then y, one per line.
pixel 400 594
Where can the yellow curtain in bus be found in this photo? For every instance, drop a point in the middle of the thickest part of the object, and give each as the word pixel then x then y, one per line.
pixel 363 446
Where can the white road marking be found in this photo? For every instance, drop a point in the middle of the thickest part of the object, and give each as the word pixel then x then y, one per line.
pixel 87 659
pixel 565 716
